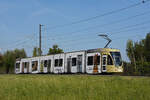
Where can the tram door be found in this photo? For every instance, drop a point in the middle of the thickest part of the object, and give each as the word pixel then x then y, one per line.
pixel 28 67
pixel 79 63
pixel 23 67
pixel 95 68
pixel 104 63
pixel 69 65
pixel 49 66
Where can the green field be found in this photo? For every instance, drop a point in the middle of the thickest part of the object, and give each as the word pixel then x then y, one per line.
pixel 73 87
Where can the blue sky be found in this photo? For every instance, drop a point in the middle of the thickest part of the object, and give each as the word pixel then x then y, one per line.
pixel 20 19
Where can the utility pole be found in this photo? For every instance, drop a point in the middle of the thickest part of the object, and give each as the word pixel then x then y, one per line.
pixel 40 41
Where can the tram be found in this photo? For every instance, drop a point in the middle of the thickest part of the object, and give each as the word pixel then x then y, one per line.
pixel 93 61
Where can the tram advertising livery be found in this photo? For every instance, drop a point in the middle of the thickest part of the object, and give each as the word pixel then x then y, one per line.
pixel 94 61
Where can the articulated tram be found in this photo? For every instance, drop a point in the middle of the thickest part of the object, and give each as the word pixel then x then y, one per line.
pixel 93 61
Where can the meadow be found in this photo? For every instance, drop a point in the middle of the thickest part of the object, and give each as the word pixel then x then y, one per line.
pixel 73 87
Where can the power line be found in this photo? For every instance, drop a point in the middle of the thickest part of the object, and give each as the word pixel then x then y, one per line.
pixel 98 16
pixel 77 40
pixel 108 13
pixel 107 24
pixel 115 33
pixel 19 42
pixel 130 30
pixel 93 40
pixel 138 24
pixel 126 27
pixel 89 41
pixel 125 37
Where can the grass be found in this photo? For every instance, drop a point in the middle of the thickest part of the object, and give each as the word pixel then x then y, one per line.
pixel 73 87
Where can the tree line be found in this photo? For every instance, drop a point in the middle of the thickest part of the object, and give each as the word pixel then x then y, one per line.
pixel 139 55
pixel 7 60
pixel 54 50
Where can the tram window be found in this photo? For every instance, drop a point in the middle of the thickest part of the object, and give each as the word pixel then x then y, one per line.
pixel 98 60
pixel 45 63
pixel 104 60
pixel 109 60
pixel 34 65
pixel 90 60
pixel 49 63
pixel 74 60
pixel 56 62
pixel 17 65
pixel 25 64
pixel 60 62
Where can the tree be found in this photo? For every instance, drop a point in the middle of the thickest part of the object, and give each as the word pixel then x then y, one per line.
pixel 1 60
pixel 147 47
pixel 139 55
pixel 36 52
pixel 55 50
pixel 9 60
pixel 129 49
pixel 19 53
pixel 139 51
pixel 131 53
pixel 10 57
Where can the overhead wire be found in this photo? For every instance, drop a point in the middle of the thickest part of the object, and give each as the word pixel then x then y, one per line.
pixel 102 25
pixel 82 39
pixel 91 19
pixel 91 41
pixel 129 27
pixel 101 15
pixel 23 42
pixel 137 28
pixel 19 42
pixel 95 17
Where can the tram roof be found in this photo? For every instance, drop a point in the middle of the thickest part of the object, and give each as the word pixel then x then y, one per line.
pixel 88 51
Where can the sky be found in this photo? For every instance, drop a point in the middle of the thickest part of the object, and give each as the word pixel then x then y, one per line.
pixel 20 19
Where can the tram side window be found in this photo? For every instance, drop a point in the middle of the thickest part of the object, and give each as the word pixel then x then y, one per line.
pixel 56 62
pixel 60 62
pixel 109 60
pixel 49 63
pixel 34 65
pixel 45 63
pixel 104 60
pixel 74 60
pixel 25 65
pixel 90 60
pixel 17 65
